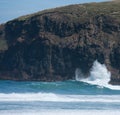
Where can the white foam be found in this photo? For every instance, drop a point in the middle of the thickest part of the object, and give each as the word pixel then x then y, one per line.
pixel 50 97
pixel 99 75
pixel 63 112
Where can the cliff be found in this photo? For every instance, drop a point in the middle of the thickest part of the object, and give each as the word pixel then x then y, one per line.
pixel 50 45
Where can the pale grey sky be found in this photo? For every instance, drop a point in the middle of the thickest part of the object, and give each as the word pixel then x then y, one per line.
pixel 10 9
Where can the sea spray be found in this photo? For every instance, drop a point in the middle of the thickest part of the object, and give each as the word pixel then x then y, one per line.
pixel 78 74
pixel 99 75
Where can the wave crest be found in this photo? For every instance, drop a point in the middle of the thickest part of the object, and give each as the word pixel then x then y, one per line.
pixel 99 75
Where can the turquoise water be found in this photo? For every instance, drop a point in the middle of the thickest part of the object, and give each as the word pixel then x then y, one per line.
pixel 65 87
pixel 52 97
pixel 83 97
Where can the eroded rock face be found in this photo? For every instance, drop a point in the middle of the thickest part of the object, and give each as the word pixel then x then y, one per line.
pixel 50 45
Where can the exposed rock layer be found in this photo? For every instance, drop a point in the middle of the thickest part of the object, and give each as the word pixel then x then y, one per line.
pixel 51 44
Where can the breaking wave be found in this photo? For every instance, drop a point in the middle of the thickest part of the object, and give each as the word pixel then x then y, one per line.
pixel 99 75
pixel 52 97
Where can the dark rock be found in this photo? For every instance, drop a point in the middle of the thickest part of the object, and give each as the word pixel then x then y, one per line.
pixel 50 45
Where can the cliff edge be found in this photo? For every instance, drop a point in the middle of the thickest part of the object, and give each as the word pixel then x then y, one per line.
pixel 50 45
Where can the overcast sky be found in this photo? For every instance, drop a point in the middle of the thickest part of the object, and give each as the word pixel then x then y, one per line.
pixel 10 9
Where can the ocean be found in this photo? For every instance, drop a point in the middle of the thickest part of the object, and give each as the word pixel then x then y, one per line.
pixel 88 96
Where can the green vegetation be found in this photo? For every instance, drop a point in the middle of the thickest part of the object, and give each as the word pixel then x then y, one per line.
pixel 76 11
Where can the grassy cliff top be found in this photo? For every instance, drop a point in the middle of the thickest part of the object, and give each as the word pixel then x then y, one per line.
pixel 111 8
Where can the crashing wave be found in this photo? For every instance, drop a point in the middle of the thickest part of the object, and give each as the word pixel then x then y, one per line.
pixel 99 75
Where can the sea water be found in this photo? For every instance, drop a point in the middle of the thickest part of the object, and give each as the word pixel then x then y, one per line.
pixel 88 96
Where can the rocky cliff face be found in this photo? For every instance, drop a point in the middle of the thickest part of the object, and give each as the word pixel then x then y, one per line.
pixel 50 45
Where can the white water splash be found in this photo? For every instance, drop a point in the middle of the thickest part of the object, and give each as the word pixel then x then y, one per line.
pixel 51 97
pixel 99 75
pixel 61 112
pixel 78 74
